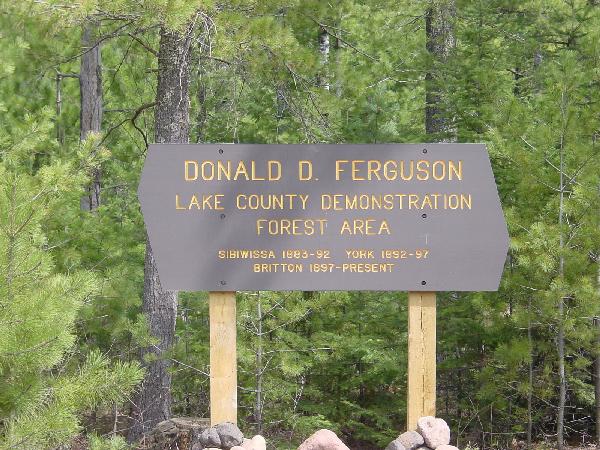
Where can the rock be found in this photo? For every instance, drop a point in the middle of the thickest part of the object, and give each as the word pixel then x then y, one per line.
pixel 165 427
pixel 256 443
pixel 237 447
pixel 323 440
pixel 259 443
pixel 190 423
pixel 411 440
pixel 447 447
pixel 177 432
pixel 230 435
pixel 395 445
pixel 210 438
pixel 435 432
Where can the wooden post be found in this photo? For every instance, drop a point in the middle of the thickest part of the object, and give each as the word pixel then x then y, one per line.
pixel 421 357
pixel 223 357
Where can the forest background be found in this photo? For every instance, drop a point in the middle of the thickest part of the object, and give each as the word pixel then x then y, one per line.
pixel 91 344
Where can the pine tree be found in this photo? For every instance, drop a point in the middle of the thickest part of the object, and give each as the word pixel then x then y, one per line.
pixel 153 402
pixel 90 94
pixel 45 387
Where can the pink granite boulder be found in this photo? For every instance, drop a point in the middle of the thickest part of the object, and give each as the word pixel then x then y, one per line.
pixel 256 443
pixel 447 447
pixel 323 440
pixel 435 432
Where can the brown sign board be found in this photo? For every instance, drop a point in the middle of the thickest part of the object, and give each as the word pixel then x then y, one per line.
pixel 394 217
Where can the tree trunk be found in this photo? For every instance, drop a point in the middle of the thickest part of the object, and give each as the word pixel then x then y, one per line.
pixel 324 54
pixel 202 49
pixel 323 81
pixel 202 111
pixel 597 370
pixel 153 400
pixel 337 84
pixel 597 380
pixel 530 370
pixel 258 404
pixel 60 132
pixel 560 339
pixel 90 115
pixel 439 29
pixel 280 103
pixel 562 398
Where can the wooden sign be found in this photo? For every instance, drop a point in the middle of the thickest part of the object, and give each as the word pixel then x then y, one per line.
pixel 412 217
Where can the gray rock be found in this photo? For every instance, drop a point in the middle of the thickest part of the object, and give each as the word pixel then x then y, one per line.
pixel 166 427
pixel 411 440
pixel 447 447
pixel 435 432
pixel 197 446
pixel 395 445
pixel 190 423
pixel 210 438
pixel 230 435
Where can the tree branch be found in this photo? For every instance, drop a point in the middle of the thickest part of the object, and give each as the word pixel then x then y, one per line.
pixel 136 113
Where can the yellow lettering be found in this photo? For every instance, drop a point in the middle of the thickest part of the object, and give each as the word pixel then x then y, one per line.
pixel 194 202
pixel 389 170
pixel 223 170
pixel 189 176
pixel 373 168
pixel 410 174
pixel 274 170
pixel 253 171
pixel 338 168
pixel 305 170
pixel 423 170
pixel 384 228
pixel 455 170
pixel 356 169
pixel 241 170
pixel 210 174
pixel 465 201
pixel 439 170
pixel 177 205
pixel 291 227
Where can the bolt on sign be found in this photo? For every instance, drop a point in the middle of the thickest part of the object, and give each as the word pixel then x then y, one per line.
pixel 397 217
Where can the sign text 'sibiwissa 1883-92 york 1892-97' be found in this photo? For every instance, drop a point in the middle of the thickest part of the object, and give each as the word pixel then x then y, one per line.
pixel 324 217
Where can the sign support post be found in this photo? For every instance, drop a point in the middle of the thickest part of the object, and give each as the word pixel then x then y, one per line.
pixel 223 357
pixel 421 357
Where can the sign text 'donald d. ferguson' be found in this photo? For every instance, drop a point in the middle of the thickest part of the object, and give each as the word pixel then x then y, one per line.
pixel 324 217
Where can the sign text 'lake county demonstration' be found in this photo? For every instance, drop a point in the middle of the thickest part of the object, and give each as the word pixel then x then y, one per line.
pixel 324 217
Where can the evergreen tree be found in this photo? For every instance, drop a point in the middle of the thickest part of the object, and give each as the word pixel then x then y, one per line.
pixel 46 384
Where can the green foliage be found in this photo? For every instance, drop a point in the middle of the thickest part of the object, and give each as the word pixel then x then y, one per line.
pixel 114 443
pixel 42 390
pixel 522 78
